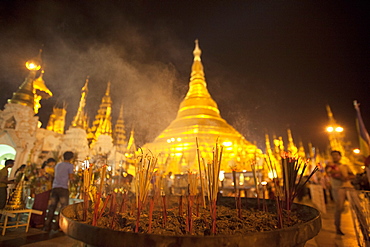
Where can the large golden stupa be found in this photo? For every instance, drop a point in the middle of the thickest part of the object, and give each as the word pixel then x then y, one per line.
pixel 199 117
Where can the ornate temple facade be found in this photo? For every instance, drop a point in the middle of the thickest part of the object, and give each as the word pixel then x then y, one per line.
pixel 199 118
pixel 23 139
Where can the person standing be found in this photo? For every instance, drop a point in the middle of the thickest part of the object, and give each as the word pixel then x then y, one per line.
pixel 340 177
pixel 4 182
pixel 60 192
pixel 44 181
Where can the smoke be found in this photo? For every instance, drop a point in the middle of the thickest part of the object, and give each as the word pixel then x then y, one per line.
pixel 77 45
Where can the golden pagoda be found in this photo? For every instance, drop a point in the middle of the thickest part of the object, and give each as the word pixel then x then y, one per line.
pixel 80 119
pixel 199 117
pixel 16 201
pixel 57 120
pixel 25 93
pixel 102 118
pixel 105 125
pixel 119 134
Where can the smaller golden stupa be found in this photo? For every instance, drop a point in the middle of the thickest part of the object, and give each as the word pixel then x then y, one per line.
pixel 16 201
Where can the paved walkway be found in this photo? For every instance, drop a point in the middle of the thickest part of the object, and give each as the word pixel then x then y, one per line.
pixel 325 238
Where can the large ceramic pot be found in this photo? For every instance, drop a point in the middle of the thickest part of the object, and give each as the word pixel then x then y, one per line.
pixel 296 235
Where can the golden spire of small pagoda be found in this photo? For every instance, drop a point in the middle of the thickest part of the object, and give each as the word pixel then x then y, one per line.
pixel 106 127
pixel 25 94
pixel 57 120
pixel 301 151
pixel 291 146
pixel 131 146
pixel 268 144
pixel 40 91
pixel 330 114
pixel 119 135
pixel 16 201
pixel 105 103
pixel 80 119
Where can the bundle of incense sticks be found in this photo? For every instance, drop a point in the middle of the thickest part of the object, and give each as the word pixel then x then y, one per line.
pixel 144 174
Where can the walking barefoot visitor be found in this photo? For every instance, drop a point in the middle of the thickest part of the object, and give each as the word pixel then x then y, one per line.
pixel 60 192
pixel 340 176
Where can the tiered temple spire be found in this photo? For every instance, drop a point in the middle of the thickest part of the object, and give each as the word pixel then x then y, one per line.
pixel 80 119
pixel 102 123
pixel 119 136
pixel 291 146
pixel 40 91
pixel 56 121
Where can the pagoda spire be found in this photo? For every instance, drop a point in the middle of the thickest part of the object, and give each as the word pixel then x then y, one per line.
pixel 119 132
pixel 198 100
pixel 100 118
pixel 25 94
pixel 291 146
pixel 330 115
pixel 56 121
pixel 131 146
pixel 80 119
pixel 268 144
pixel 40 91
pixel 335 133
pixel 301 151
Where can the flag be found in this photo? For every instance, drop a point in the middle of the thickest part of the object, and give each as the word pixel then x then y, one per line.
pixel 362 132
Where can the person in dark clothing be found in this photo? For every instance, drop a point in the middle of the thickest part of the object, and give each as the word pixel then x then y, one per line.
pixel 60 192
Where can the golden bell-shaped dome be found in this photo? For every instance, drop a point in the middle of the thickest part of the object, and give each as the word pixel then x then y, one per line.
pixel 199 117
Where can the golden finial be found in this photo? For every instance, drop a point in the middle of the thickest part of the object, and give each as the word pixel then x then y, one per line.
pixel 328 110
pixel 107 92
pixel 80 121
pixel 197 51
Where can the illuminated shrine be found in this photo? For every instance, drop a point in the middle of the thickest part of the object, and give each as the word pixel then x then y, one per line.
pixel 199 117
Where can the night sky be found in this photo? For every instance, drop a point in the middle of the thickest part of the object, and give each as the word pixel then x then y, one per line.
pixel 270 65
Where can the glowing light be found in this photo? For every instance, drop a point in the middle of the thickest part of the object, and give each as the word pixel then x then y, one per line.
pixel 244 170
pixel 339 129
pixel 221 177
pixel 227 144
pixel 179 139
pixel 330 129
pixel 241 179
pixel 168 140
pixel 172 139
pixel 356 151
pixel 272 174
pixel 264 183
pixel 109 168
pixel 33 65
pixel 362 167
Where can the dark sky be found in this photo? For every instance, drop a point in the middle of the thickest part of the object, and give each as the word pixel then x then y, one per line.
pixel 269 65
